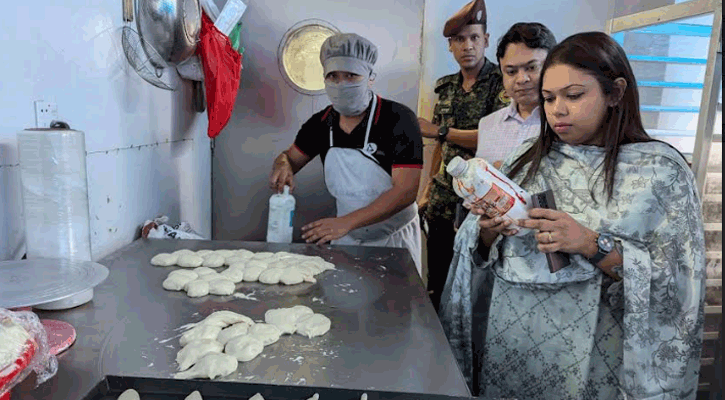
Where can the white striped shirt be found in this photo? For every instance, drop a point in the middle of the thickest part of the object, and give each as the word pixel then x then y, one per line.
pixel 500 132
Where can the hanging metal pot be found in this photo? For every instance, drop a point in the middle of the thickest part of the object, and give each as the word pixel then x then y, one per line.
pixel 171 27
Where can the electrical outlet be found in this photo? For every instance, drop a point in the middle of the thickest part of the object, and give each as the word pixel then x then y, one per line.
pixel 45 112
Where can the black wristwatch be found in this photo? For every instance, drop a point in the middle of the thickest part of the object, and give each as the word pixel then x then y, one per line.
pixel 605 245
pixel 442 133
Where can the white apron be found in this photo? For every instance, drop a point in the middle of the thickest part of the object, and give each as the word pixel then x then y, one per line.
pixel 355 179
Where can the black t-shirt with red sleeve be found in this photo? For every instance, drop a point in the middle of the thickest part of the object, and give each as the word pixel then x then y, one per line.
pixel 395 133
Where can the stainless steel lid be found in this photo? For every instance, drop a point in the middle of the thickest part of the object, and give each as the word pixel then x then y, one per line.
pixel 32 282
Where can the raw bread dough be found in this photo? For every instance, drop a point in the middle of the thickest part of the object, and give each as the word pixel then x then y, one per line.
pixel 164 260
pixel 176 282
pixel 210 366
pixel 210 277
pixel 234 274
pixel 244 253
pixel 315 396
pixel 189 261
pixel 281 264
pixel 291 276
pixel 270 276
pixel 199 332
pixel 225 253
pixel 129 394
pixel 192 352
pixel 230 332
pixel 184 273
pixel 225 318
pixel 213 261
pixel 285 319
pixel 221 286
pixel 204 253
pixel 238 265
pixel 233 260
pixel 195 395
pixel 197 288
pixel 267 333
pixel 257 263
pixel 251 274
pixel 244 348
pixel 263 255
pixel 181 252
pixel 313 325
pixel 364 396
pixel 257 397
pixel 203 271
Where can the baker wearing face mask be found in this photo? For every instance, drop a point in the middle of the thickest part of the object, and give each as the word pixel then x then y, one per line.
pixel 371 150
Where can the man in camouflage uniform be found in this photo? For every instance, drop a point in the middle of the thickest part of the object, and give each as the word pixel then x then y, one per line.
pixel 463 99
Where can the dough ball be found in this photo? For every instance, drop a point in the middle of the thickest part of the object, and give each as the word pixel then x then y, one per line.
pixel 251 274
pixel 244 348
pixel 315 396
pixel 210 366
pixel 263 255
pixel 285 319
pixel 221 287
pixel 234 260
pixel 195 395
pixel 246 254
pixel 129 394
pixel 270 276
pixel 281 264
pixel 225 318
pixel 199 332
pixel 259 397
pixel 204 253
pixel 225 253
pixel 164 260
pixel 213 261
pixel 184 273
pixel 234 274
pixel 201 271
pixel 267 333
pixel 181 252
pixel 313 325
pixel 176 282
pixel 312 266
pixel 210 277
pixel 189 261
pixel 284 254
pixel 230 332
pixel 197 288
pixel 195 350
pixel 291 276
pixel 257 263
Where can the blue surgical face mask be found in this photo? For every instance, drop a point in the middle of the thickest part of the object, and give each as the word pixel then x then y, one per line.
pixel 349 99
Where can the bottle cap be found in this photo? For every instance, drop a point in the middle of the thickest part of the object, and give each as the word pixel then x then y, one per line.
pixel 457 166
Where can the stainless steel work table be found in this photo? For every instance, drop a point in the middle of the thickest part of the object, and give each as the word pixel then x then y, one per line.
pixel 385 333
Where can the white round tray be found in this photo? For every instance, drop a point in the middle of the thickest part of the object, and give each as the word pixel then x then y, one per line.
pixel 41 281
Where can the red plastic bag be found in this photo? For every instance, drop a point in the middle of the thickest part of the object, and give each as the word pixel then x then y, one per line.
pixel 222 72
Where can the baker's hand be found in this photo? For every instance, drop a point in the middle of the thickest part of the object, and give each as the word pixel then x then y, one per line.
pixel 427 128
pixel 281 174
pixel 558 231
pixel 325 230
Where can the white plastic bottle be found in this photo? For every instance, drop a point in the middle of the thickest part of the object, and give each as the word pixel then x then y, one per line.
pixel 479 183
pixel 280 224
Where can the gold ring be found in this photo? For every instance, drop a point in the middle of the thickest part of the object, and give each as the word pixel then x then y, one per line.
pixel 550 239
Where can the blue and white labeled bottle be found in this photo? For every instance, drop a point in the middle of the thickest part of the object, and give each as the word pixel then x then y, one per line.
pixel 280 224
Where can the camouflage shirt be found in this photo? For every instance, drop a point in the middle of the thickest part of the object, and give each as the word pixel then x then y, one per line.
pixel 459 109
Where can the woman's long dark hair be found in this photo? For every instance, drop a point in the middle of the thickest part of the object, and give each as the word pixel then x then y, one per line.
pixel 599 56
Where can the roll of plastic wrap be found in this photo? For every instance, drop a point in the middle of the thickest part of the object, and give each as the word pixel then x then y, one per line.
pixel 55 198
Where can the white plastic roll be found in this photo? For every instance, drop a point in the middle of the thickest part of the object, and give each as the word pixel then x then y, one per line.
pixel 55 193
